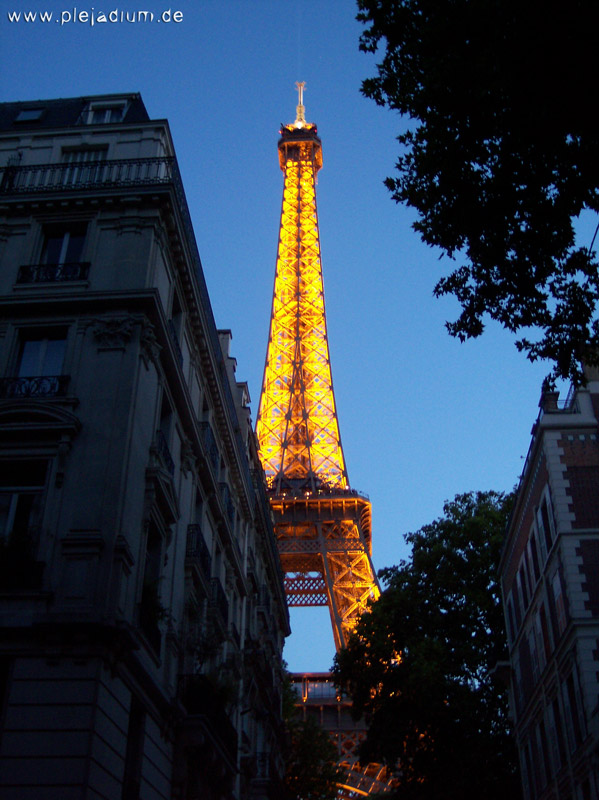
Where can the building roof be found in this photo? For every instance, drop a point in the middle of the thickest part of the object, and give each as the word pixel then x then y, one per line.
pixel 64 112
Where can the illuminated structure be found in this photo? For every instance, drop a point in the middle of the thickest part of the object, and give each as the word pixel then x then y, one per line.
pixel 323 528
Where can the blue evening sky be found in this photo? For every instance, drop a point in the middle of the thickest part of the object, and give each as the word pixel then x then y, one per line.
pixel 422 416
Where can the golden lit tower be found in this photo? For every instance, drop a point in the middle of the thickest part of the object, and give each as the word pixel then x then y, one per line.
pixel 323 527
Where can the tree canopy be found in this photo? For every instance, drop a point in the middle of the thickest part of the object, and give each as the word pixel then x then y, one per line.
pixel 419 664
pixel 499 158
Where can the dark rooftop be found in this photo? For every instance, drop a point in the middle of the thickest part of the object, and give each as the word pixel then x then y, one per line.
pixel 65 112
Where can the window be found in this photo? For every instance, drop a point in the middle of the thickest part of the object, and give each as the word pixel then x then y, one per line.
pixel 556 734
pixel 545 525
pixel 151 610
pixel 105 112
pixel 29 114
pixel 533 556
pixel 559 601
pixel 545 632
pixel 38 369
pixel 572 715
pixel 83 165
pixel 22 486
pixel 41 353
pixel 511 626
pixel 63 244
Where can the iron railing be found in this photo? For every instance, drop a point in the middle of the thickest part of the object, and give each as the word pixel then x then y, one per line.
pixel 53 273
pixel 34 386
pixel 101 174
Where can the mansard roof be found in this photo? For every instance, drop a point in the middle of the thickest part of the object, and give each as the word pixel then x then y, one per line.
pixel 65 112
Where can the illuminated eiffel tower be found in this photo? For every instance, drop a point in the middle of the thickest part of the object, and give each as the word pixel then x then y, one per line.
pixel 323 527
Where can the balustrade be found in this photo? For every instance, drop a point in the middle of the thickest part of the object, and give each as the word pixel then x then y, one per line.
pixel 53 273
pixel 34 386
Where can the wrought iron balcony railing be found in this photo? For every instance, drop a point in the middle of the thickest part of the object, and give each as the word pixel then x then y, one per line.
pixel 53 273
pixel 93 174
pixel 35 386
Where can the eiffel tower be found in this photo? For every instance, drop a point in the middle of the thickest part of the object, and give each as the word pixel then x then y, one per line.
pixel 323 527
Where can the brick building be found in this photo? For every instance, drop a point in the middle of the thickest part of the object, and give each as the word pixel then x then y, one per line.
pixel 550 581
pixel 142 611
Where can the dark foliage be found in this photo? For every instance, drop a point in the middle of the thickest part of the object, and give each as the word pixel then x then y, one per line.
pixel 499 158
pixel 418 667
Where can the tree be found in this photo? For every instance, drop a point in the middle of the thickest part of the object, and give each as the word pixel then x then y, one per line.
pixel 418 665
pixel 311 771
pixel 499 158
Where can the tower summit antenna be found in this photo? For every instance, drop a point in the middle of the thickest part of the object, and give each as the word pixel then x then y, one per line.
pixel 300 120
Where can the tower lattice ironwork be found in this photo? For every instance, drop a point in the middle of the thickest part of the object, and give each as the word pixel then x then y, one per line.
pixel 323 527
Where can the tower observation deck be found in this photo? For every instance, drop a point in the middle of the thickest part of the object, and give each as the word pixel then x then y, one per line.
pixel 323 527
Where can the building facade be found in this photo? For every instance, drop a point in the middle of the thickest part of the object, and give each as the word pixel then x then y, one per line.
pixel 142 610
pixel 550 582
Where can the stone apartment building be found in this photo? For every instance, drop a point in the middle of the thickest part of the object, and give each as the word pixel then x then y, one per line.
pixel 142 611
pixel 550 581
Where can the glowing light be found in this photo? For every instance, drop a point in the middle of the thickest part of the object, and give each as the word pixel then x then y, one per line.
pixel 323 528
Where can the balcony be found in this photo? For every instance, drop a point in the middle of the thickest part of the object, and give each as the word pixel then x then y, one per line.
pixel 34 386
pixel 103 174
pixel 53 273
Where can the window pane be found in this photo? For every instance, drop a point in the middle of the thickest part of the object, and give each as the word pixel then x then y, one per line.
pixel 30 361
pixel 84 156
pixel 54 357
pixel 63 243
pixel 52 249
pixel 42 356
pixel 24 513
pixel 74 247
pixel 29 114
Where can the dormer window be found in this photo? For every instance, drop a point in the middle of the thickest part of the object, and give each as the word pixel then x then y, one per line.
pixel 102 112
